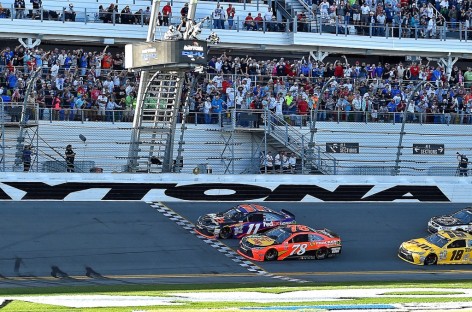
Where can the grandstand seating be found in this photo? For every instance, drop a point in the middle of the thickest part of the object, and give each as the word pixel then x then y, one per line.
pixel 91 7
pixel 91 30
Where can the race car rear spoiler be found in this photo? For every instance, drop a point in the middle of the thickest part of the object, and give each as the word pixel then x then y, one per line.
pixel 330 233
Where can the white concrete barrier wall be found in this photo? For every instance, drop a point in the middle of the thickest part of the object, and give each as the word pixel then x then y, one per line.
pixel 238 188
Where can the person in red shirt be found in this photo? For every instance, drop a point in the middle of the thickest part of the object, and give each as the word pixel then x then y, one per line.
pixel 230 13
pixel 249 22
pixel 259 21
pixel 107 62
pixel 166 13
pixel 302 109
pixel 414 71
pixel 338 70
pixel 288 68
pixel 302 106
pixel 224 85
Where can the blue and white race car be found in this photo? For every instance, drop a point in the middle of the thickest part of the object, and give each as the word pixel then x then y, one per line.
pixel 242 220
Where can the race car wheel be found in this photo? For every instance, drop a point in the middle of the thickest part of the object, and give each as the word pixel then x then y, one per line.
pixel 431 259
pixel 321 253
pixel 271 255
pixel 225 232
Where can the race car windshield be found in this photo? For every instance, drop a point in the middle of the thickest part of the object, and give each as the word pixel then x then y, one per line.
pixel 278 234
pixel 437 240
pixel 464 216
pixel 232 214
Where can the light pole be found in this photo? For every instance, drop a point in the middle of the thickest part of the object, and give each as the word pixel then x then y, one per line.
pixel 396 169
pixel 313 130
pixel 2 118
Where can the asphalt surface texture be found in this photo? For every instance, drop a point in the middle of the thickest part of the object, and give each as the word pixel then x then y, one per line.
pixel 90 243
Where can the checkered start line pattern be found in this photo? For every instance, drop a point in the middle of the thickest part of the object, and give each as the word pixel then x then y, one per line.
pixel 228 252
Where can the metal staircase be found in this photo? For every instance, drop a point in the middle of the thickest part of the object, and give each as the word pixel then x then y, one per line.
pixel 295 6
pixel 280 135
pixel 155 122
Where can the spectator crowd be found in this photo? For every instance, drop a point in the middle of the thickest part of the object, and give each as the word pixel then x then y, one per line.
pixel 409 18
pixel 72 84
pixel 359 91
pixel 93 85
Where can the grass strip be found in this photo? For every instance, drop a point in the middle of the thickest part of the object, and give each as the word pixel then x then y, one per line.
pixel 422 293
pixel 276 288
pixel 21 306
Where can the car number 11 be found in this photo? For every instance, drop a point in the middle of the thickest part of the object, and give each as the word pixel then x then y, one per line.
pixel 253 228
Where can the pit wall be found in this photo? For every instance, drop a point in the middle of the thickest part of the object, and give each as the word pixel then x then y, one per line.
pixel 240 188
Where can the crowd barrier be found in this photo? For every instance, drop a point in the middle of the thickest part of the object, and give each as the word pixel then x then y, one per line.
pixel 247 118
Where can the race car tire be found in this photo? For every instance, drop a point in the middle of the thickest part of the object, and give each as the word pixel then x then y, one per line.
pixel 226 232
pixel 321 253
pixel 271 255
pixel 431 259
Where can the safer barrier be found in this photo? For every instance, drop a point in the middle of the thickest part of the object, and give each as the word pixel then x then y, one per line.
pixel 269 188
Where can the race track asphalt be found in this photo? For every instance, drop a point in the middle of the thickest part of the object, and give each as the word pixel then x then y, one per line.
pixel 371 234
pixel 130 242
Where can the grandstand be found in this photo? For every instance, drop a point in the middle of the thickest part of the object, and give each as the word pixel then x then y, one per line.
pixel 234 140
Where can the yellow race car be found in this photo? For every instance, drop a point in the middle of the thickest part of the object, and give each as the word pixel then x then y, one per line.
pixel 443 247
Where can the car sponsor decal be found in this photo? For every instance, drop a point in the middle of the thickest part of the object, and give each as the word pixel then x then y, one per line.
pixel 262 241
pixel 277 223
pixel 420 245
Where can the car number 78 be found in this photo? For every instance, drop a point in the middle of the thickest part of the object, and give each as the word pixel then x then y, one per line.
pixel 298 249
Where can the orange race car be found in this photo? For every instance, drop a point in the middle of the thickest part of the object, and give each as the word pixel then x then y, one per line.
pixel 290 242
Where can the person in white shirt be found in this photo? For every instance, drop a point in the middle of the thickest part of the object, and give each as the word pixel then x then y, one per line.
pixel 62 58
pixel 102 101
pixel 365 11
pixel 279 102
pixel 240 97
pixel 268 15
pixel 108 85
pixel 218 65
pixel 110 107
pixel 278 162
pixel 129 88
pixel 218 80
pixel 230 96
pixel 207 110
pixel 267 163
pixel 292 161
pixel 55 70
pixel 285 163
pixel 60 82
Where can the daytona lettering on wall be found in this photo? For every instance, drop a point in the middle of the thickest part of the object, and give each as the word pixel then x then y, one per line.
pixel 238 192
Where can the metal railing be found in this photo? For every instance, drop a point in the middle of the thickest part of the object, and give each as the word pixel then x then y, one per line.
pixel 378 144
pixel 245 118
pixel 317 24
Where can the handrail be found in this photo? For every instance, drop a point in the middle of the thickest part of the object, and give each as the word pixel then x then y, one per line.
pixel 280 7
pixel 285 133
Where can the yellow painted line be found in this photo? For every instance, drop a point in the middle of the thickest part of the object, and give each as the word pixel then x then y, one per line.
pixel 213 275
pixel 379 272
